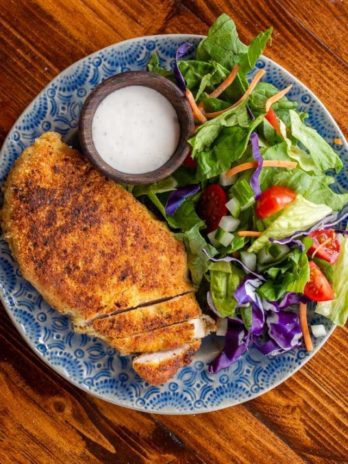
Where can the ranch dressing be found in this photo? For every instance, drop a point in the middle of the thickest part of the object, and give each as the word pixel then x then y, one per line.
pixel 135 129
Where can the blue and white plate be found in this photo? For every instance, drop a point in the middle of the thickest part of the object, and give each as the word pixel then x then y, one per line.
pixel 88 362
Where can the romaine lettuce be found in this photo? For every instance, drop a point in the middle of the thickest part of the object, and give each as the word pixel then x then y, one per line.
pixel 299 215
pixel 312 186
pixel 321 152
pixel 223 283
pixel 337 310
pixel 198 261
pixel 289 276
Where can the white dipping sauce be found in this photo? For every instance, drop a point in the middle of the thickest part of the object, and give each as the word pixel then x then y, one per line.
pixel 135 129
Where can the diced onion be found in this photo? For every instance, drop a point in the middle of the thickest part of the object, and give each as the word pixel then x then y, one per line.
pixel 249 259
pixel 318 330
pixel 212 238
pixel 226 239
pixel 324 308
pixel 233 206
pixel 229 224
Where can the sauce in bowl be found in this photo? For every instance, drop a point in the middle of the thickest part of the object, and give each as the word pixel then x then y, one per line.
pixel 135 129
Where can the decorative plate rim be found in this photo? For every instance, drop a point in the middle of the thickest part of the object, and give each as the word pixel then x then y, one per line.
pixel 61 372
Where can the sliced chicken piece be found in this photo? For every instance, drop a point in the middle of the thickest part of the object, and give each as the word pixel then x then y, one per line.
pixel 158 368
pixel 221 327
pixel 165 338
pixel 146 318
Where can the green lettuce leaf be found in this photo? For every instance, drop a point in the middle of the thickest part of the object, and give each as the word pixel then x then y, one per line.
pixel 337 310
pixel 222 44
pixel 185 217
pixel 154 65
pixel 263 91
pixel 198 262
pixel 313 186
pixel 291 275
pixel 209 131
pixel 166 185
pixel 223 283
pixel 304 160
pixel 214 104
pixel 246 314
pixel 322 154
pixel 268 133
pixel 299 215
pixel 243 192
pixel 229 146
pixel 202 75
pixel 255 49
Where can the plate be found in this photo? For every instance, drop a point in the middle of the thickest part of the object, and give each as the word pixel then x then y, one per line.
pixel 87 362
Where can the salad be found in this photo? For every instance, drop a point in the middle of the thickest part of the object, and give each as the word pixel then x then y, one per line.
pixel 253 201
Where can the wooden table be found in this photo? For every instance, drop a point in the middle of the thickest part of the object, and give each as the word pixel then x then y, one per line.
pixel 44 419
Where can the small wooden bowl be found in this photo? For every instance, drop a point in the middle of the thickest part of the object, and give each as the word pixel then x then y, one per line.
pixel 155 82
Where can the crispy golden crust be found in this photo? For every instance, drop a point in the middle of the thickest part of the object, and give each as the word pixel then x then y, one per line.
pixel 179 309
pixel 84 242
pixel 158 372
pixel 165 338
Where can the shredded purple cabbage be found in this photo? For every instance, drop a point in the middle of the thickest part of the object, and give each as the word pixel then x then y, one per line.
pixel 237 341
pixel 292 243
pixel 177 197
pixel 246 294
pixel 181 51
pixel 339 219
pixel 255 178
pixel 230 259
pixel 284 328
pixel 258 320
pixel 269 347
pixel 273 331
pixel 288 299
pixel 283 334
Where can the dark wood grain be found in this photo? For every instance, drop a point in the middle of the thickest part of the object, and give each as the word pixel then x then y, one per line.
pixel 44 419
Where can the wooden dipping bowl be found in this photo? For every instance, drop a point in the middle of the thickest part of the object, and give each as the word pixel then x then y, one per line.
pixel 155 82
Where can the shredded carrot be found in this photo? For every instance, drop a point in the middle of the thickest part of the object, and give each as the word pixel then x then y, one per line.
pixel 197 113
pixel 258 76
pixel 226 83
pixel 265 164
pixel 274 98
pixel 304 327
pixel 249 233
pixel 338 141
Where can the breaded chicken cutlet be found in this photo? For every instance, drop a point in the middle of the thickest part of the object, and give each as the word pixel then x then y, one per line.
pixel 92 250
pixel 85 243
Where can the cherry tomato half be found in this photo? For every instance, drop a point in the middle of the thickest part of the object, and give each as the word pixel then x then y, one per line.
pixel 273 120
pixel 318 288
pixel 189 162
pixel 273 200
pixel 212 206
pixel 325 245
